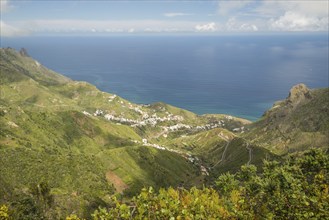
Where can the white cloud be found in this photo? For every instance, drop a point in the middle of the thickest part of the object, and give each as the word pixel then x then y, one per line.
pixel 248 27
pixel 206 27
pixel 7 30
pixel 295 15
pixel 235 25
pixel 313 8
pixel 175 14
pixel 275 15
pixel 293 21
pixel 276 8
pixel 106 26
pixel 248 15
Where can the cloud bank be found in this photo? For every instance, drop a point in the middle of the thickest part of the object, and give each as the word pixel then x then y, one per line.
pixel 293 21
pixel 229 16
pixel 276 15
pixel 11 31
pixel 210 27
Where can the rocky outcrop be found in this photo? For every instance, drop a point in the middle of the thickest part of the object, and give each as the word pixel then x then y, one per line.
pixel 298 122
pixel 298 93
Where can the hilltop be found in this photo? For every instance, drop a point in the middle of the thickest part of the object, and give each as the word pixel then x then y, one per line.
pixel 297 123
pixel 85 144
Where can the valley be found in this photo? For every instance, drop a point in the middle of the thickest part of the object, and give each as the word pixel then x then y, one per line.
pixel 88 145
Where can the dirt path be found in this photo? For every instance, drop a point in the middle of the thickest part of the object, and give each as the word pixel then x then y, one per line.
pixel 117 182
pixel 250 153
pixel 223 155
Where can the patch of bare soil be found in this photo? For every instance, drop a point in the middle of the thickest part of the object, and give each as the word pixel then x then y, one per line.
pixel 117 182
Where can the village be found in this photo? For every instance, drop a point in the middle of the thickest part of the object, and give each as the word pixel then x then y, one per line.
pixel 154 119
pixel 147 119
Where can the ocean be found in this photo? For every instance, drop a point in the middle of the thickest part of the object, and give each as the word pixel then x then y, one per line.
pixel 241 75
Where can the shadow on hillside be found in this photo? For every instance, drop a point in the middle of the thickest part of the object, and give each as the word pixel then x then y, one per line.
pixel 162 169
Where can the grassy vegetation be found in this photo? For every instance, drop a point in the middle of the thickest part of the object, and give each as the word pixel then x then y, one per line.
pixel 145 166
pixel 45 137
pixel 294 189
pixel 210 145
pixel 58 149
pixel 71 177
pixel 289 126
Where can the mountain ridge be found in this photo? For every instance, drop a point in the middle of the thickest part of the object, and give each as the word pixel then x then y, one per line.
pixel 303 113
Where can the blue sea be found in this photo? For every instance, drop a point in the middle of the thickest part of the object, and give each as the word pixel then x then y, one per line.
pixel 241 75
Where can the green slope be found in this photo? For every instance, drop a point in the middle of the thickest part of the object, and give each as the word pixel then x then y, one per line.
pixel 18 66
pixel 297 123
pixel 87 144
pixel 221 151
pixel 47 136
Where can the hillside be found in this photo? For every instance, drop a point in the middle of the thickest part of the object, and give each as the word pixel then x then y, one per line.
pixel 87 144
pixel 84 145
pixel 297 123
pixel 47 135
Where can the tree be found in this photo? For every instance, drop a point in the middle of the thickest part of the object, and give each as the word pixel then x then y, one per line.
pixel 295 189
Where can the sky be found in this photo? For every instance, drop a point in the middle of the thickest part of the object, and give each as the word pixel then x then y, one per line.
pixel 51 17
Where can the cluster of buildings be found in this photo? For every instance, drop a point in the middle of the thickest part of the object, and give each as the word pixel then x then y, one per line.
pixel 153 120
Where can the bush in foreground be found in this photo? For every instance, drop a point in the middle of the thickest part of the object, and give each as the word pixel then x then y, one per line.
pixel 296 189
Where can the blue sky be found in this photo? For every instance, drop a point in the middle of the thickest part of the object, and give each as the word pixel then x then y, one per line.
pixel 47 17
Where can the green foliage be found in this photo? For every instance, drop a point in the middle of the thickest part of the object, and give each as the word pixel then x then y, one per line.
pixel 226 183
pixel 147 166
pixel 63 182
pixel 25 67
pixel 4 212
pixel 292 190
pixel 295 189
pixel 73 217
pixel 58 158
pixel 33 203
pixel 43 196
pixel 25 207
pixel 167 204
